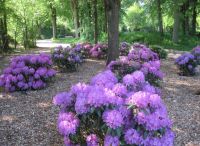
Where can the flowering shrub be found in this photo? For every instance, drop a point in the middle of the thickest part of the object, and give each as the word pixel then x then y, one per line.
pixel 86 47
pixel 67 58
pixel 27 72
pixel 142 53
pixel 196 53
pixel 118 107
pixel 186 63
pixel 124 48
pixel 99 51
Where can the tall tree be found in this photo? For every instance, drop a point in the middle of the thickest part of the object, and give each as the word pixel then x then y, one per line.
pixel 75 11
pixel 95 22
pixel 105 20
pixel 176 26
pixel 160 21
pixel 194 16
pixel 3 26
pixel 185 17
pixel 53 19
pixel 113 8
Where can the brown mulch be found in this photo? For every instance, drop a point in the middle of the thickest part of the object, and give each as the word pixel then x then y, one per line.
pixel 29 118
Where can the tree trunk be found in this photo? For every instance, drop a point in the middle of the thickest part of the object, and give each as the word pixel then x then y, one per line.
pixel 53 19
pixel 113 8
pixel 176 24
pixel 106 18
pixel 95 22
pixel 75 11
pixel 3 27
pixel 194 16
pixel 26 37
pixel 160 21
pixel 185 17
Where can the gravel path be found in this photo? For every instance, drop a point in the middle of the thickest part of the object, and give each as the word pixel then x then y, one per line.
pixel 183 104
pixel 29 119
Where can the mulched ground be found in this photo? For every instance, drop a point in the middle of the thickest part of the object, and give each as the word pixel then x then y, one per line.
pixel 29 119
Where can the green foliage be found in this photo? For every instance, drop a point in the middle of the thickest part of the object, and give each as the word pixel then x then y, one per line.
pixel 153 38
pixel 160 51
pixel 135 18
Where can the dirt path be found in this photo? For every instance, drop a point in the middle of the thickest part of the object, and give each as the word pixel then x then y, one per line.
pixel 29 119
pixel 183 104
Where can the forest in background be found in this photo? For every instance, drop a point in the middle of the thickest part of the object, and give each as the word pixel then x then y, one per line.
pixel 173 24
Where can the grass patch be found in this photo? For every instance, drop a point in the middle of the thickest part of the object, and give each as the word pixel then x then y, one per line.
pixel 68 40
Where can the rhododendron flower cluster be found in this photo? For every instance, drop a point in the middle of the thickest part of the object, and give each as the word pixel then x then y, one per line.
pixel 27 72
pixel 142 53
pixel 124 48
pixel 67 58
pixel 99 51
pixel 115 111
pixel 186 63
pixel 139 58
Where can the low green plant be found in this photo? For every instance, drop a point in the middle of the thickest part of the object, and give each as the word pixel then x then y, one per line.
pixel 160 51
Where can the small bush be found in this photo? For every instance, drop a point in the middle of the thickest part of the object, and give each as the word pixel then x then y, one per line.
pixel 187 64
pixel 196 53
pixel 160 51
pixel 27 72
pixel 124 48
pixel 99 51
pixel 67 59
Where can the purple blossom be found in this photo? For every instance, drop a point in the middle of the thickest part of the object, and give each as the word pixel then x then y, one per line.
pixel 139 99
pixel 132 137
pixel 119 89
pixel 128 80
pixel 92 140
pixel 67 123
pixel 138 77
pixel 105 79
pixel 111 141
pixel 63 98
pixel 113 119
pixel 96 97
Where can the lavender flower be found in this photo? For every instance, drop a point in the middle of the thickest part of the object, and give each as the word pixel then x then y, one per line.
pixel 63 98
pixel 113 119
pixel 92 140
pixel 111 141
pixel 132 137
pixel 67 123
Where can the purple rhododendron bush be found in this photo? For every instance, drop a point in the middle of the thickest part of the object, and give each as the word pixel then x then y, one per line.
pixel 99 51
pixel 27 72
pixel 188 62
pixel 119 106
pixel 68 58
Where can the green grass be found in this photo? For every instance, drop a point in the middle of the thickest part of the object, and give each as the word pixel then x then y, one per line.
pixel 186 43
pixel 68 40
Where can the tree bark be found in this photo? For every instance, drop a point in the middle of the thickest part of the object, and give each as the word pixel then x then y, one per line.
pixel 113 8
pixel 194 16
pixel 106 18
pixel 95 22
pixel 3 27
pixel 176 26
pixel 53 19
pixel 160 21
pixel 75 11
pixel 185 17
